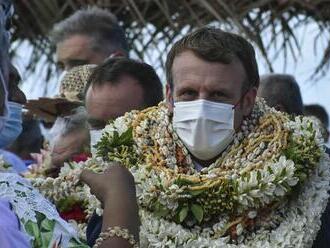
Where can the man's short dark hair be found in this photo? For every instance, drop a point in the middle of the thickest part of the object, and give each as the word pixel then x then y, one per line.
pixel 113 69
pixel 281 90
pixel 318 111
pixel 102 26
pixel 215 45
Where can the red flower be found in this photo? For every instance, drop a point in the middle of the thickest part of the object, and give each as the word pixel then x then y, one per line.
pixel 76 213
pixel 82 157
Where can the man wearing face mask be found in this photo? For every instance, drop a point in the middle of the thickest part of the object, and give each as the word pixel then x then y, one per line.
pixel 117 86
pixel 215 165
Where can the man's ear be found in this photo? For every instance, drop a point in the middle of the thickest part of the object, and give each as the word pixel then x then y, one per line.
pixel 169 97
pixel 249 100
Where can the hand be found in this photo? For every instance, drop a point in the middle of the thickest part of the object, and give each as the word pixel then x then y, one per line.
pixel 113 183
pixel 115 188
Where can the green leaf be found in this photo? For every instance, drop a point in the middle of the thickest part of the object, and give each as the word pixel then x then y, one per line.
pixel 127 137
pixel 258 175
pixel 46 238
pixel 196 192
pixel 32 229
pixel 160 210
pixel 183 182
pixel 66 204
pixel 183 214
pixel 198 212
pixel 115 139
pixel 270 170
pixel 47 225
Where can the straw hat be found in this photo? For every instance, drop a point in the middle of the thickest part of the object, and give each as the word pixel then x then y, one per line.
pixel 71 95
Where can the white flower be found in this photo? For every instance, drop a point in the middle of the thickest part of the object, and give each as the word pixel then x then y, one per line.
pixel 120 125
pixel 109 130
pixel 252 214
pixel 239 229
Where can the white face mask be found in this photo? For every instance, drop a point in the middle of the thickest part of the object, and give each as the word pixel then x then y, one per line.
pixel 206 128
pixel 95 137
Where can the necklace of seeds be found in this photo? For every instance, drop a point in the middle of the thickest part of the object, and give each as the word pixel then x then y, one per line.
pixel 254 144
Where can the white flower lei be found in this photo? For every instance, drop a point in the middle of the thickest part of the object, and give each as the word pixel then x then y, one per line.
pixel 295 223
pixel 300 224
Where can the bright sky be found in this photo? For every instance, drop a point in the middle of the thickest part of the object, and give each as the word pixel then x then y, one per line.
pixel 312 92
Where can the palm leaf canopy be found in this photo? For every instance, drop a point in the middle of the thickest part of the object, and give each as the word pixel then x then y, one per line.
pixel 153 25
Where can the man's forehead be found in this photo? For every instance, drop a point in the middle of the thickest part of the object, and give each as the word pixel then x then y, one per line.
pixel 224 73
pixel 75 39
pixel 188 60
pixel 109 95
pixel 101 96
pixel 76 45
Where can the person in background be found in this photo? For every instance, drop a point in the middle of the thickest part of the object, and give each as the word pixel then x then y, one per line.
pixel 281 91
pixel 89 36
pixel 27 219
pixel 70 97
pixel 117 86
pixel 321 114
pixel 71 141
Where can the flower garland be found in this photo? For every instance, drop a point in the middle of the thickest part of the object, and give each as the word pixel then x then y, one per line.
pixel 245 197
pixel 299 223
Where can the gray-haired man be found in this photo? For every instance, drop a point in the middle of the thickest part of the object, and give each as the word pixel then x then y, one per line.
pixel 88 36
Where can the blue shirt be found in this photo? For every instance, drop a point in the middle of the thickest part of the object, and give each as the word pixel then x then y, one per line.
pixel 10 234
pixel 17 164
